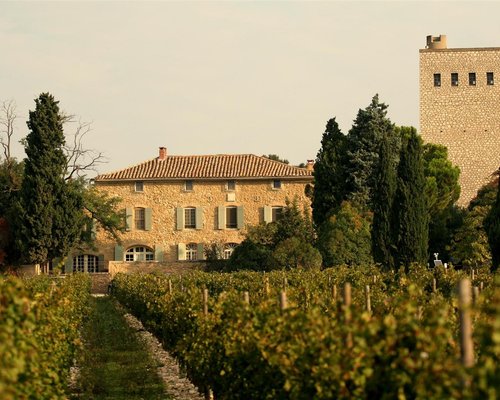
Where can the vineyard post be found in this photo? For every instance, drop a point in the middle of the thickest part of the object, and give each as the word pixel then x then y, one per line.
pixel 205 302
pixel 374 279
pixel 434 285
pixel 170 286
pixel 283 301
pixel 481 286
pixel 475 294
pixel 473 274
pixel 368 299
pixel 285 283
pixel 334 292
pixel 266 286
pixel 347 305
pixel 246 297
pixel 464 301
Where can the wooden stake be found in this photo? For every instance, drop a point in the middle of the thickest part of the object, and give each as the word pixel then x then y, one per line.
pixel 434 285
pixel 246 297
pixel 267 289
pixel 205 302
pixel 347 305
pixel 481 286
pixel 283 301
pixel 368 302
pixel 475 294
pixel 472 275
pixel 334 292
pixel 170 286
pixel 464 301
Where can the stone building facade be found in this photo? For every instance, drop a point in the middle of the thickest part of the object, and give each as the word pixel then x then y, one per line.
pixel 460 108
pixel 176 206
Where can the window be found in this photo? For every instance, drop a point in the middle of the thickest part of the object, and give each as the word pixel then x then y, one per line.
pixel 276 213
pixel 472 79
pixel 139 253
pixel 231 217
pixel 276 184
pixel 454 79
pixel 139 186
pixel 188 186
pixel 437 79
pixel 191 252
pixel 489 78
pixel 190 218
pixel 228 250
pixel 86 263
pixel 231 185
pixel 140 218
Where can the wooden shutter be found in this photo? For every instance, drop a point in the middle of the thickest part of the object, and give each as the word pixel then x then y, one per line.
pixel 148 217
pixel 240 219
pixel 221 217
pixel 118 253
pixel 181 251
pixel 201 251
pixel 179 213
pixel 199 217
pixel 129 218
pixel 159 252
pixel 268 214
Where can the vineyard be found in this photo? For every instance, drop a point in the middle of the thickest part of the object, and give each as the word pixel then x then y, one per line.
pixel 344 333
pixel 39 334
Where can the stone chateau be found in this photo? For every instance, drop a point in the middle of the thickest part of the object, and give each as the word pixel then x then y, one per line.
pixel 176 206
pixel 460 108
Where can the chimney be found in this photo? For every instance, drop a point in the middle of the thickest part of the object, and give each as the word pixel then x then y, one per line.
pixel 310 165
pixel 163 153
pixel 436 42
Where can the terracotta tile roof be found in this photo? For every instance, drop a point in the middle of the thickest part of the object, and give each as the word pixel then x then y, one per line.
pixel 220 166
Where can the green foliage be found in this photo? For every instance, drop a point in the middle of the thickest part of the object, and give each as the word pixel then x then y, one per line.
pixel 39 334
pixel 411 218
pixel 294 223
pixel 329 173
pixel 492 227
pixel 345 237
pixel 49 217
pixel 250 255
pixel 370 126
pixel 295 253
pixel 275 157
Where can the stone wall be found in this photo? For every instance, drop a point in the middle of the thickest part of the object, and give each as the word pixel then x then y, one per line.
pixel 164 197
pixel 465 118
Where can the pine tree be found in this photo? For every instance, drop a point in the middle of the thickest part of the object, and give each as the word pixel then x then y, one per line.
pixel 370 126
pixel 50 218
pixel 410 208
pixel 492 227
pixel 329 173
pixel 383 244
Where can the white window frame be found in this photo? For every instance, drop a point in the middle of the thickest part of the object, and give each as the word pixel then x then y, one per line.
pixel 86 263
pixel 231 185
pixel 190 218
pixel 139 186
pixel 277 184
pixel 276 213
pixel 139 253
pixel 230 210
pixel 140 223
pixel 188 185
pixel 228 250
pixel 191 252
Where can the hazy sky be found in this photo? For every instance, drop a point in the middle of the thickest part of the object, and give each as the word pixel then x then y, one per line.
pixel 224 77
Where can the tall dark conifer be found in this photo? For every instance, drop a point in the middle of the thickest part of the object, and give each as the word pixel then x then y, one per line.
pixel 50 216
pixel 329 172
pixel 383 245
pixel 492 227
pixel 410 208
pixel 370 126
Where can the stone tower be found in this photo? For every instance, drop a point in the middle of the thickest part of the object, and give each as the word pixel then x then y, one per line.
pixel 460 108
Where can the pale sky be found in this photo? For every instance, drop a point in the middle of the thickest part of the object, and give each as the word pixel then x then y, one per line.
pixel 224 77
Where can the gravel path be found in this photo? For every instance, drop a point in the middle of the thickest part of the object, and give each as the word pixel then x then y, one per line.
pixel 176 386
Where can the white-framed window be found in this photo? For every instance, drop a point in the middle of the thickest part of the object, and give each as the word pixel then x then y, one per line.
pixel 276 213
pixel 188 186
pixel 228 250
pixel 139 253
pixel 86 263
pixel 190 218
pixel 140 218
pixel 139 186
pixel 191 251
pixel 276 184
pixel 231 217
pixel 231 185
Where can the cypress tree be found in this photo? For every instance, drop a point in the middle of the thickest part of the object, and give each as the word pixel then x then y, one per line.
pixel 410 208
pixel 329 172
pixel 383 245
pixel 50 217
pixel 370 126
pixel 492 227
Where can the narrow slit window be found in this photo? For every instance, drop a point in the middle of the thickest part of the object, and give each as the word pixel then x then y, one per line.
pixel 489 78
pixel 454 79
pixel 437 79
pixel 472 79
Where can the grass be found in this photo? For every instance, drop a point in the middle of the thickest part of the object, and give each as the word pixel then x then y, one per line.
pixel 114 363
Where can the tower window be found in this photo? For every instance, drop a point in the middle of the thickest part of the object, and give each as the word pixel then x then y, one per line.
pixel 472 79
pixel 437 79
pixel 489 78
pixel 454 79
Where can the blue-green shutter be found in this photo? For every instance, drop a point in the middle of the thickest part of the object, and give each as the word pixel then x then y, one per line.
pixel 148 217
pixel 268 214
pixel 68 264
pixel 181 251
pixel 240 219
pixel 201 251
pixel 100 265
pixel 159 252
pixel 129 215
pixel 199 217
pixel 221 217
pixel 118 253
pixel 93 229
pixel 179 212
